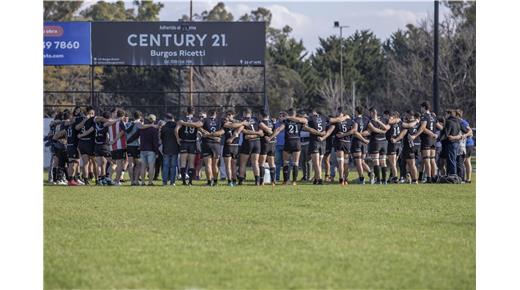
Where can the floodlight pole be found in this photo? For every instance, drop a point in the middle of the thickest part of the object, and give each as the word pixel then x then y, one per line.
pixel 436 102
pixel 92 87
pixel 191 66
pixel 336 24
pixel 341 67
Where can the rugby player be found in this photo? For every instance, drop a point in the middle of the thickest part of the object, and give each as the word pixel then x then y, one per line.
pixel 320 128
pixel 343 132
pixel 132 147
pixel 292 126
pixel 117 142
pixel 232 130
pixel 72 147
pixel 211 132
pixel 394 148
pixel 66 130
pixel 428 124
pixel 250 148
pixel 359 145
pixel 417 147
pixel 408 154
pixel 59 149
pixel 86 143
pixel 102 150
pixel 378 145
pixel 267 148
pixel 329 140
pixel 304 155
pixel 186 134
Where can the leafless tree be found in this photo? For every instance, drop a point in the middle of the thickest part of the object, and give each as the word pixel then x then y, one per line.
pixel 330 91
pixel 227 79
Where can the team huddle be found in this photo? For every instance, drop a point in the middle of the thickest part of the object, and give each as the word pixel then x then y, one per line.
pixel 387 148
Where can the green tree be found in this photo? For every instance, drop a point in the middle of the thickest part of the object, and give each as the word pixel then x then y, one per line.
pixel 60 10
pixel 217 13
pixel 363 64
pixel 108 11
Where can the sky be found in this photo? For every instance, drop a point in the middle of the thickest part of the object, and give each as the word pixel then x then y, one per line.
pixel 313 19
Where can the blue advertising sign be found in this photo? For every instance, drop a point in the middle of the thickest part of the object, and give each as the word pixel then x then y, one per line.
pixel 66 43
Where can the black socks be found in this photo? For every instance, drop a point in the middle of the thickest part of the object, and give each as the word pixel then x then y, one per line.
pixel 191 174
pixel 272 172
pixel 294 173
pixel 183 174
pixel 377 172
pixel 285 173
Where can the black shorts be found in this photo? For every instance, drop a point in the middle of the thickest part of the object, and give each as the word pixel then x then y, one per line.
pixel 61 155
pixel 316 146
pixel 212 149
pixel 188 147
pixel 343 146
pixel 102 150
pixel 394 148
pixel 378 146
pixel 230 151
pixel 408 153
pixel 250 147
pixel 358 146
pixel 118 154
pixel 469 151
pixel 427 142
pixel 86 147
pixel 133 151
pixel 72 151
pixel 267 148
pixel 417 150
pixel 292 145
pixel 328 145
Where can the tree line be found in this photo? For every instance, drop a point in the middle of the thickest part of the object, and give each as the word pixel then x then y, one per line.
pixel 394 73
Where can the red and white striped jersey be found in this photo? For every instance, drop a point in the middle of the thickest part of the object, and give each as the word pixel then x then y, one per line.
pixel 113 132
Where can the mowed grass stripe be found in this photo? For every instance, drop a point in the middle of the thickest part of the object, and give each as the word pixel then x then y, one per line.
pixel 404 236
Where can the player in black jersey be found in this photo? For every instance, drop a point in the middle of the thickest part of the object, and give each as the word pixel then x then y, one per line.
pixel 86 143
pixel 408 154
pixel 250 148
pixel 320 128
pixel 343 132
pixel 394 148
pixel 359 144
pixel 186 134
pixel 317 127
pixel 211 133
pixel 292 125
pixel 329 144
pixel 59 150
pixel 102 149
pixel 426 132
pixel 378 145
pixel 67 130
pixel 232 130
pixel 267 147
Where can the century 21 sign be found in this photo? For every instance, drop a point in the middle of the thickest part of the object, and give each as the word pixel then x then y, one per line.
pixel 178 43
pixel 179 40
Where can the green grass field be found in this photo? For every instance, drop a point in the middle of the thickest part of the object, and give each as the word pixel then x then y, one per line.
pixel 395 236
